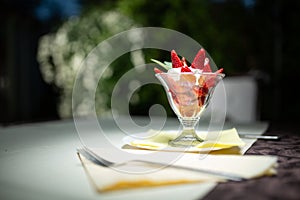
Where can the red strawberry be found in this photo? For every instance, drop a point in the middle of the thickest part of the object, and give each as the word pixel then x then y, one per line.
pixel 200 91
pixel 201 100
pixel 206 67
pixel 204 89
pixel 183 61
pixel 174 97
pixel 220 71
pixel 185 69
pixel 198 61
pixel 211 80
pixel 157 71
pixel 176 62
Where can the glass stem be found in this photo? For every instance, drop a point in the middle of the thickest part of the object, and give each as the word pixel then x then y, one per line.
pixel 188 136
pixel 189 123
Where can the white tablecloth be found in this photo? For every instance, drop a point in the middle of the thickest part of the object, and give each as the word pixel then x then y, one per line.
pixel 39 161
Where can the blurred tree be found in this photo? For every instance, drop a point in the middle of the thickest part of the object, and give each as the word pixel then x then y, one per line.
pixel 215 26
pixel 62 52
pixel 242 36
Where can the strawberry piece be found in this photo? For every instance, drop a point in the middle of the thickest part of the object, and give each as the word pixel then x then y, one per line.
pixel 185 69
pixel 176 62
pixel 198 62
pixel 220 71
pixel 183 61
pixel 157 71
pixel 174 97
pixel 206 67
pixel 201 93
pixel 201 100
pixel 173 86
pixel 211 80
pixel 205 89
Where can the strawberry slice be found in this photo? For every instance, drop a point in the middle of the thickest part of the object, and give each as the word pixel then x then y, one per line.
pixel 176 62
pixel 201 100
pixel 201 93
pixel 174 97
pixel 220 71
pixel 206 67
pixel 185 69
pixel 183 61
pixel 198 62
pixel 157 71
pixel 211 79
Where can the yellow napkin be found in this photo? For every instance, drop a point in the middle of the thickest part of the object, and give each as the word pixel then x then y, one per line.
pixel 106 179
pixel 214 140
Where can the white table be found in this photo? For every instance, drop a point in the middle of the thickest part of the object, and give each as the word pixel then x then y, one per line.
pixel 39 161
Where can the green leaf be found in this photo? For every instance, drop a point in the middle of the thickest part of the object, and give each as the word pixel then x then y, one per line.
pixel 168 63
pixel 166 66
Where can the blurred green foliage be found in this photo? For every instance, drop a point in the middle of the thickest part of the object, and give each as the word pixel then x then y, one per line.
pixel 240 39
pixel 62 52
pixel 220 32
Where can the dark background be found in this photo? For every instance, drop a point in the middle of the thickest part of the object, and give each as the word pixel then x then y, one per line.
pixel 247 37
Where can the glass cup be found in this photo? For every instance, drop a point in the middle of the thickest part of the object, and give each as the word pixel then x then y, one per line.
pixel 188 95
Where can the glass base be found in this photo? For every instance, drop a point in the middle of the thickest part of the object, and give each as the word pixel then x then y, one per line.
pixel 188 138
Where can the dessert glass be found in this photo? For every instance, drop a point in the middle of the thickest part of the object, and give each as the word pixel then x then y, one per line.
pixel 188 95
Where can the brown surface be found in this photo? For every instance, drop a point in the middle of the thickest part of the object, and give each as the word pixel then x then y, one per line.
pixel 285 185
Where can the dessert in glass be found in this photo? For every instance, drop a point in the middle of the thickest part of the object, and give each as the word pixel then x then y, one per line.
pixel 189 90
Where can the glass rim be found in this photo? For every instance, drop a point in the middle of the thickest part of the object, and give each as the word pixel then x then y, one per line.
pixel 202 73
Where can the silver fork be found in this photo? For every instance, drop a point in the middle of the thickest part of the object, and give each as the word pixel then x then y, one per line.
pixel 95 158
pixel 262 137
